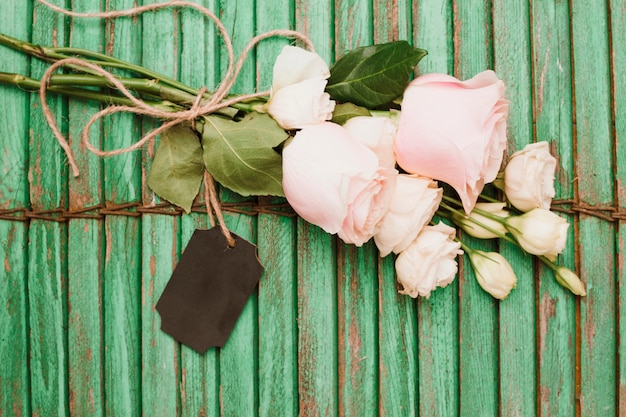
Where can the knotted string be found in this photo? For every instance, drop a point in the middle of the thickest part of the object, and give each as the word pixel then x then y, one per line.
pixel 216 102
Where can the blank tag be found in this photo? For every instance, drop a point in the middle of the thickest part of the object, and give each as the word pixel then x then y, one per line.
pixel 208 289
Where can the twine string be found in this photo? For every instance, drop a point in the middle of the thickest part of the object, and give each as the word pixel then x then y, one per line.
pixel 216 102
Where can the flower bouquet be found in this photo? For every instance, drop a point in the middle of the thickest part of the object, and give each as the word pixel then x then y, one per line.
pixel 359 149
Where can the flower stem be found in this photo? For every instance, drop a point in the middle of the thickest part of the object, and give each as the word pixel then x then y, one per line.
pixel 479 223
pixel 171 88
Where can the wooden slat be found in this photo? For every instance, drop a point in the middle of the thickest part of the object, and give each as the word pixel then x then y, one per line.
pixel 438 316
pixel 85 244
pixel 122 260
pixel 594 153
pixel 618 54
pixel 239 357
pixel 477 310
pixel 357 278
pixel 160 247
pixel 552 101
pixel 513 64
pixel 47 268
pixel 278 331
pixel 14 344
pixel 317 280
pixel 397 321
pixel 199 385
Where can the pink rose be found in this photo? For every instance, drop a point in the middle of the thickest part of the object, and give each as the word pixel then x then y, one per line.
pixel 334 181
pixel 412 205
pixel 454 131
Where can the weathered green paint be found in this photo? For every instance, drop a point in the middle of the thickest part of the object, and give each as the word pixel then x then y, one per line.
pixel 278 325
pixel 594 154
pixel 160 380
pixel 47 266
pixel 618 54
pixel 438 342
pixel 478 326
pixel 85 245
pixel 517 316
pixel 199 375
pixel 552 104
pixel 122 253
pixel 14 328
pixel 326 333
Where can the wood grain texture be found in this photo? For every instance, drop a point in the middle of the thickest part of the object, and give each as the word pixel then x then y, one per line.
pixel 552 104
pixel 160 239
pixel 239 390
pixel 478 311
pixel 517 316
pixel 85 243
pixel 278 324
pixel 317 264
pixel 357 277
pixel 594 149
pixel 438 323
pixel 47 268
pixel 122 276
pixel 199 64
pixel 14 331
pixel 617 11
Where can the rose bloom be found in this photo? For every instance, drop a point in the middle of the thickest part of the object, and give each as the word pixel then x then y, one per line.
pixel 413 204
pixel 429 262
pixel 529 177
pixel 469 222
pixel 377 133
pixel 539 232
pixel 454 131
pixel 333 181
pixel 493 273
pixel 297 98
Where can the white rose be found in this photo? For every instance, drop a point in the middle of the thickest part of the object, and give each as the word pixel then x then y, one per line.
pixel 539 232
pixel 429 262
pixel 529 177
pixel 493 273
pixel 298 98
pixel 377 133
pixel 334 181
pixel 469 222
pixel 413 204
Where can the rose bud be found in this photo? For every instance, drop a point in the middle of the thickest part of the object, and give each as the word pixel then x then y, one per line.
pixel 539 232
pixel 413 204
pixel 297 98
pixel 454 131
pixel 429 262
pixel 568 279
pixel 469 223
pixel 529 177
pixel 493 273
pixel 334 181
pixel 377 133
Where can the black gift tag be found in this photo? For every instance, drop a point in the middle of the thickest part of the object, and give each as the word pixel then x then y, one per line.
pixel 208 289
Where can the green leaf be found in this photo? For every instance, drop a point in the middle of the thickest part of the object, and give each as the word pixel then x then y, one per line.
pixel 240 155
pixel 177 168
pixel 346 111
pixel 374 75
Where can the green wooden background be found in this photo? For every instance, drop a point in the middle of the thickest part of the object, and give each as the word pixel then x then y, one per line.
pixel 326 333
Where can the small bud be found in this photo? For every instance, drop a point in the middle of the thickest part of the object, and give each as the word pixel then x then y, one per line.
pixel 568 279
pixel 493 273
pixel 469 223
